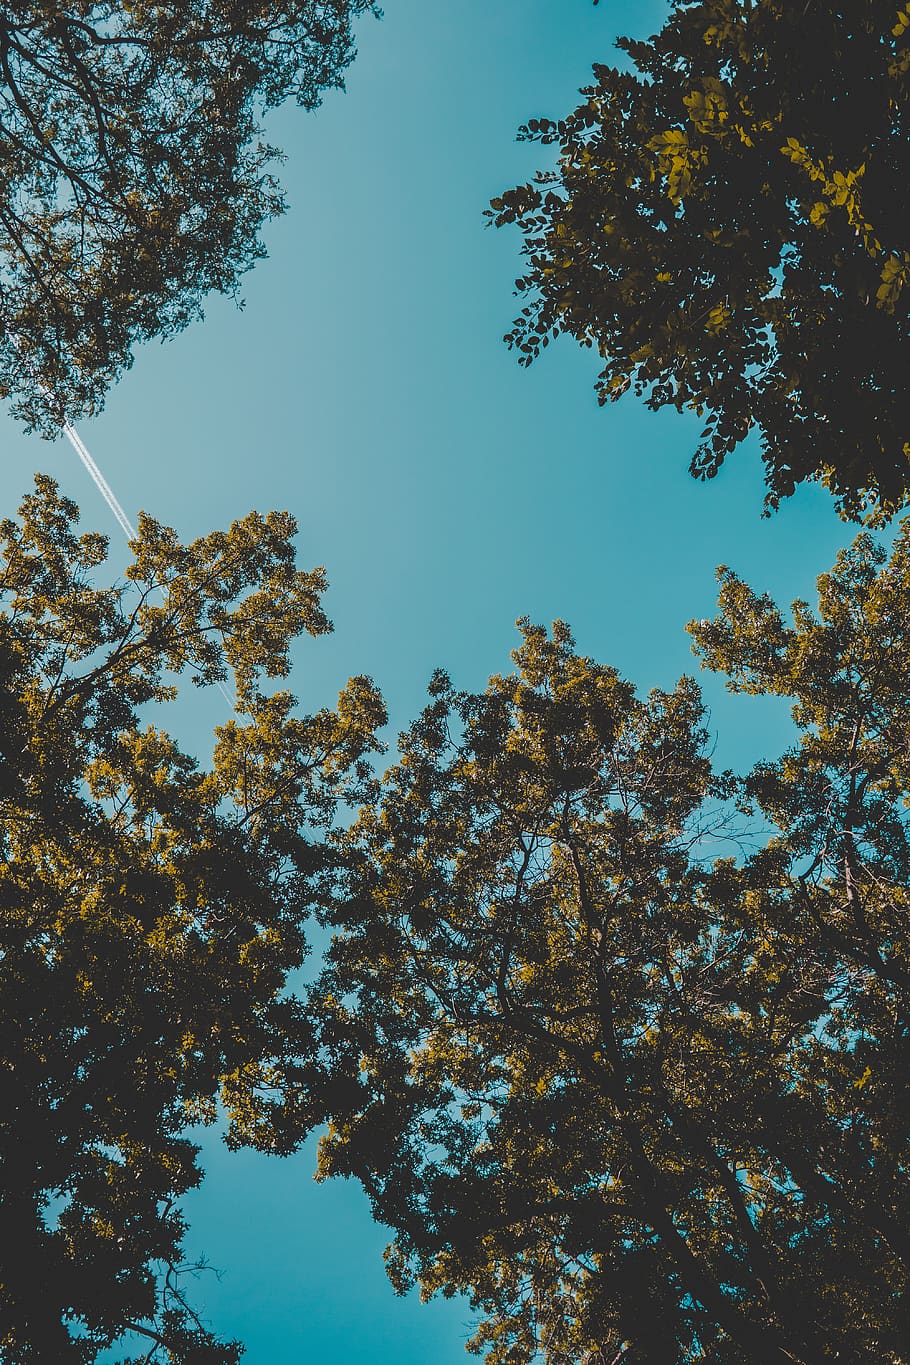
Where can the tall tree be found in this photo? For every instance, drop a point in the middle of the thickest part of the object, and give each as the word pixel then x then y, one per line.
pixel 727 225
pixel 152 908
pixel 640 1102
pixel 132 175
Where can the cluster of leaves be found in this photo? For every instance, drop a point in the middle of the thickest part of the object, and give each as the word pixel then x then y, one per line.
pixel 727 225
pixel 640 1103
pixel 152 908
pixel 132 177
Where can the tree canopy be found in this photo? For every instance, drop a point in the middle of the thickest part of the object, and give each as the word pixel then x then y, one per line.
pixel 640 1092
pixel 726 224
pixel 133 178
pixel 152 907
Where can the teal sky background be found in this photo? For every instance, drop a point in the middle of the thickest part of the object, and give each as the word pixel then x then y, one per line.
pixel 366 387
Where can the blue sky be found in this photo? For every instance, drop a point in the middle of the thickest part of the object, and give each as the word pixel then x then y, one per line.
pixel 365 387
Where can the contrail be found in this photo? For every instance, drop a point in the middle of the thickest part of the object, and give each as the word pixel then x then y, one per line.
pixel 99 480
pixel 81 450
pixel 113 502
pixel 101 483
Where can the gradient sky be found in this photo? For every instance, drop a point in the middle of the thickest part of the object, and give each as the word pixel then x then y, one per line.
pixel 365 387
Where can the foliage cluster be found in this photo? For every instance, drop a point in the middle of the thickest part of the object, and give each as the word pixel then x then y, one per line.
pixel 152 908
pixel 640 1102
pixel 727 226
pixel 133 178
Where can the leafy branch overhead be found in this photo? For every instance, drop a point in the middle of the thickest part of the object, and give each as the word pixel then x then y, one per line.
pixel 726 225
pixel 133 178
pixel 152 907
pixel 618 1046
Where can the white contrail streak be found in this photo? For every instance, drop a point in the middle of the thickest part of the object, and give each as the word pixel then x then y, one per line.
pixel 82 451
pixel 104 488
pixel 99 481
pixel 113 502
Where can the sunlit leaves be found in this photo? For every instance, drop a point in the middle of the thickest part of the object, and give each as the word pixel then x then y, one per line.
pixel 152 907
pixel 616 1046
pixel 753 166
